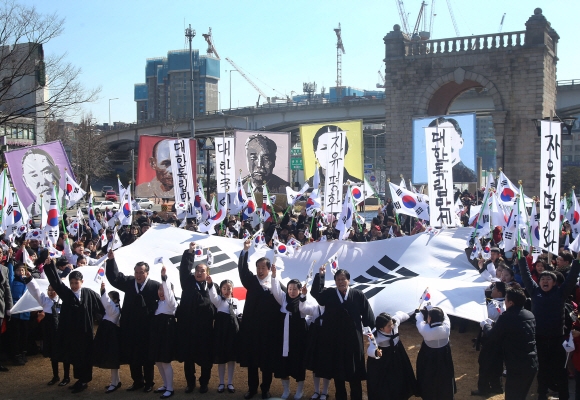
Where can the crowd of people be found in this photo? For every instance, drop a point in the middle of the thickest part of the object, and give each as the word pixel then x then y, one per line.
pixel 284 330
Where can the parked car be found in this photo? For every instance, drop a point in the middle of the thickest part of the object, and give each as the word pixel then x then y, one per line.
pixel 101 206
pixel 111 195
pixel 144 203
pixel 105 189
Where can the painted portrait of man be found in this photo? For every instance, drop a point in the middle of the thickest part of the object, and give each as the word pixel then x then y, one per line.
pixel 261 159
pixel 39 172
pixel 161 185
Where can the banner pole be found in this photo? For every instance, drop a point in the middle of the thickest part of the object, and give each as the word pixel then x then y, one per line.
pixel 58 205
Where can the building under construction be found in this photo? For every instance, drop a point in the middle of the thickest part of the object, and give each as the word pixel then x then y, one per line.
pixel 166 95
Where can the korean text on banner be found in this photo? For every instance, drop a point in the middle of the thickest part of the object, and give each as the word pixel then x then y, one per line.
pixel 550 175
pixel 440 177
pixel 181 169
pixel 334 172
pixel 225 169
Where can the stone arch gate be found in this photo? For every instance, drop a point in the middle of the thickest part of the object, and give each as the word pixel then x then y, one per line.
pixel 517 69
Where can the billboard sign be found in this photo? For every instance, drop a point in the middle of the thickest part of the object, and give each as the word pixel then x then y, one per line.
pixel 154 171
pixel 460 131
pixel 263 157
pixel 33 169
pixel 315 140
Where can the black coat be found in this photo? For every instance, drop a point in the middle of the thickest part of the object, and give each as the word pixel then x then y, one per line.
pixel 341 355
pixel 195 316
pixel 75 322
pixel 136 314
pixel 260 328
pixel 514 333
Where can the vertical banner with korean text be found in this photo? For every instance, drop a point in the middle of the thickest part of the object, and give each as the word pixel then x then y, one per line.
pixel 181 168
pixel 550 186
pixel 225 170
pixel 439 176
pixel 334 171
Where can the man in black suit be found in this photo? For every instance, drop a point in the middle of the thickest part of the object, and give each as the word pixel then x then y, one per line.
pixel 515 334
pixel 138 310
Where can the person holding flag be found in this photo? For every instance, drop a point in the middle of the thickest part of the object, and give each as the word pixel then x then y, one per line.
pixel 106 350
pixel 139 305
pixel 342 330
pixel 259 330
pixel 195 316
pixel 390 373
pixel 75 326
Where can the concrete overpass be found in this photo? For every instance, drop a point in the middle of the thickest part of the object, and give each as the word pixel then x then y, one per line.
pixel 284 117
pixel 288 116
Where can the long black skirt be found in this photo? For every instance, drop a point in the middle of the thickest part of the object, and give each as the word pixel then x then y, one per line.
pixel 226 338
pixel 49 336
pixel 106 349
pixel 391 377
pixel 163 338
pixel 435 373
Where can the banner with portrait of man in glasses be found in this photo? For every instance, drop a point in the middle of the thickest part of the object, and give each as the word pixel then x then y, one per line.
pixel 34 169
pixel 264 157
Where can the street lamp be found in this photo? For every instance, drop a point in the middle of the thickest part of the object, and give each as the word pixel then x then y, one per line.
pixel 567 122
pixel 116 98
pixel 231 70
pixel 206 145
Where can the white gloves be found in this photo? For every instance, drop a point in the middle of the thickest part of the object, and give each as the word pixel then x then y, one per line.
pixel 487 321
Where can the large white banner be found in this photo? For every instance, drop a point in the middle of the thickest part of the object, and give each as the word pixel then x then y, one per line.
pixel 225 170
pixel 440 177
pixel 550 158
pixel 387 271
pixel 334 171
pixel 181 169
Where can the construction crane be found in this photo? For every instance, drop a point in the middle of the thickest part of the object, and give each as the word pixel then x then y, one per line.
pixel 210 47
pixel 379 85
pixel 418 23
pixel 431 18
pixel 249 81
pixel 453 18
pixel 403 15
pixel 501 24
pixel 339 52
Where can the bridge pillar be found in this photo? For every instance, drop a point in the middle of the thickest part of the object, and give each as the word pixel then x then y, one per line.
pixel 516 69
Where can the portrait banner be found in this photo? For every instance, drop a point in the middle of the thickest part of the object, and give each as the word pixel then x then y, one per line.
pixel 314 142
pixel 440 177
pixel 225 170
pixel 550 174
pixel 334 171
pixel 33 169
pixel 263 156
pixel 460 132
pixel 154 172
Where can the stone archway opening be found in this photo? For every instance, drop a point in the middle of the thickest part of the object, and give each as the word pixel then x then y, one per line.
pixel 443 98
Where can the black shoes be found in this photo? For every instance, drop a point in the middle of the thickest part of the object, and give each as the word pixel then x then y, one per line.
pixel 75 385
pixel 266 395
pixel 65 381
pixel 231 388
pixel 135 386
pixel 162 389
pixel 189 389
pixel 221 388
pixel 53 381
pixel 3 369
pixel 167 394
pixel 112 388
pixel 148 388
pixel 250 394
pixel 203 388
pixel 80 388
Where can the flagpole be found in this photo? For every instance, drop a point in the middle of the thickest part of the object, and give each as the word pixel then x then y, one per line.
pixel 3 188
pixel 479 215
pixel 41 207
pixel 273 205
pixel 58 205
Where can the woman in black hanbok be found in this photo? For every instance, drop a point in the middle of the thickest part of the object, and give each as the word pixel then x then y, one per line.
pixel 389 370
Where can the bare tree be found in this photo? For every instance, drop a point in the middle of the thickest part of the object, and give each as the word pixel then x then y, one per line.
pixel 90 152
pixel 30 83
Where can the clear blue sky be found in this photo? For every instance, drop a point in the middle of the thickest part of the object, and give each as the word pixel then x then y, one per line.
pixel 283 44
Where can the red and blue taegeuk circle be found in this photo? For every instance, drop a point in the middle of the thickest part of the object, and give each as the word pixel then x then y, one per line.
pixel 101 272
pixel 507 194
pixel 281 249
pixel 126 209
pixel 52 217
pixel 537 232
pixel 356 193
pixel 68 188
pixel 409 201
pixel 575 218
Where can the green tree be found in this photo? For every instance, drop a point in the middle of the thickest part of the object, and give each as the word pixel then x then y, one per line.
pixel 570 177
